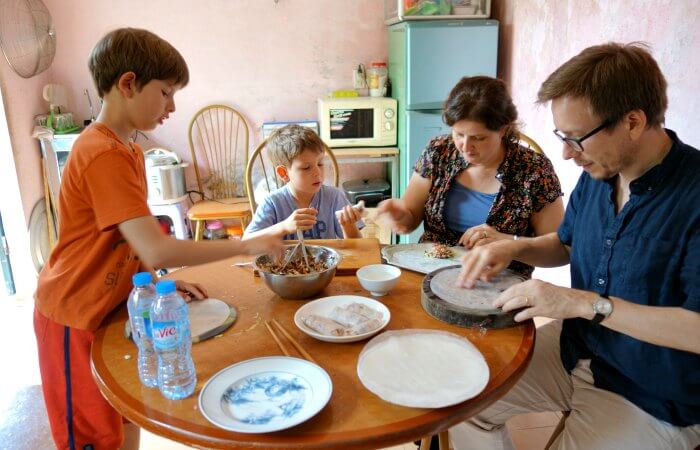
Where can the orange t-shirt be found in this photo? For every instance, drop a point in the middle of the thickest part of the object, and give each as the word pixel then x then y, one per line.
pixel 89 272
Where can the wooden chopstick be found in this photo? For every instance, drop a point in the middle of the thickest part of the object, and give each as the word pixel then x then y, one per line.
pixel 274 336
pixel 296 345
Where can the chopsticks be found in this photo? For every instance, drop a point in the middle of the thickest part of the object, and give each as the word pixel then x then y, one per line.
pixel 289 337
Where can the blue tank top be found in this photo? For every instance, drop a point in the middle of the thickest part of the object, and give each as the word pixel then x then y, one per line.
pixel 465 208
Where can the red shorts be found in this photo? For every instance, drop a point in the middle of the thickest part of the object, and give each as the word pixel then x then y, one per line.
pixel 78 414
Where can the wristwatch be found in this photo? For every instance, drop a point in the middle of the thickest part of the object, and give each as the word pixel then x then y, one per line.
pixel 602 308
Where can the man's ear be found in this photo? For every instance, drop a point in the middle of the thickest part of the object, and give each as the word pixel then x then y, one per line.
pixel 282 173
pixel 127 84
pixel 637 123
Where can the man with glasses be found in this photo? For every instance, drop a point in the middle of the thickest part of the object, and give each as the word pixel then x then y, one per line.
pixel 624 356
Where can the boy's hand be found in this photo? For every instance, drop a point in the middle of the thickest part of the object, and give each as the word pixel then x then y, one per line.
pixel 349 215
pixel 263 245
pixel 300 219
pixel 190 291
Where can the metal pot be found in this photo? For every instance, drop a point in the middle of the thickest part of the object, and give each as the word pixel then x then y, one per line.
pixel 165 176
pixel 301 286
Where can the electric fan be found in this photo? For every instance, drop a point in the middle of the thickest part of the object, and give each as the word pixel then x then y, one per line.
pixel 27 37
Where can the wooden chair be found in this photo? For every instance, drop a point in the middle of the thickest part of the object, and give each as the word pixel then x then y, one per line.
pixel 218 137
pixel 261 169
pixel 530 143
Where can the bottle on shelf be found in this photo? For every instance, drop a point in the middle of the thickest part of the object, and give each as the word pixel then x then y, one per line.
pixel 171 338
pixel 139 306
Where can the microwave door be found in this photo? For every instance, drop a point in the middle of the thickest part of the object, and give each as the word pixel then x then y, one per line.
pixel 351 123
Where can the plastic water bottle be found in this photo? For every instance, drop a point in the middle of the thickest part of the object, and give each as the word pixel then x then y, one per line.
pixel 171 339
pixel 139 306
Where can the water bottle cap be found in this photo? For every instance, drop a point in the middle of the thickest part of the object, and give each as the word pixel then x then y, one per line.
pixel 165 287
pixel 142 278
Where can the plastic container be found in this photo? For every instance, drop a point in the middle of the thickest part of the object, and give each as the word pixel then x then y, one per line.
pixel 171 338
pixel 139 305
pixel 214 230
pixel 234 231
pixel 376 78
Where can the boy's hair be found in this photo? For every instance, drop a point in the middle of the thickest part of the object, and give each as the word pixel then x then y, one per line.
pixel 139 51
pixel 485 100
pixel 615 79
pixel 287 142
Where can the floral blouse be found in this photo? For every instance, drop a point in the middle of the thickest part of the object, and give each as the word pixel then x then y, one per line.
pixel 528 184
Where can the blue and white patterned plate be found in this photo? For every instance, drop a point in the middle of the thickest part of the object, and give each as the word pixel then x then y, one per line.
pixel 265 394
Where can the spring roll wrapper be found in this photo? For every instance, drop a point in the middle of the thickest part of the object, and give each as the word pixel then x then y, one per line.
pixel 323 325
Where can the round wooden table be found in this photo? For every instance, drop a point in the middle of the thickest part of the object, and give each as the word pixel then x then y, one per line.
pixel 353 419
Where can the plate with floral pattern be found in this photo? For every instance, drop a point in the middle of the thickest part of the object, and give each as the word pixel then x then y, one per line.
pixel 266 394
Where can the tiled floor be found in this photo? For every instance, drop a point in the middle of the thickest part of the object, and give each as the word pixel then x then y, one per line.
pixel 23 423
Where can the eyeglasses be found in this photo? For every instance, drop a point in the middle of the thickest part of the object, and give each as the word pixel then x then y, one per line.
pixel 576 143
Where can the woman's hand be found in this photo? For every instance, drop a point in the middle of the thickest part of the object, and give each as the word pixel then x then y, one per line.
pixel 481 235
pixel 395 214
pixel 190 291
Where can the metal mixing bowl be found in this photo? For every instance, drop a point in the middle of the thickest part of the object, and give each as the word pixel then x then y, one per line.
pixel 301 286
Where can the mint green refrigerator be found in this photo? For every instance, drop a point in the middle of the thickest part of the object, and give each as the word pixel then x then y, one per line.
pixel 426 59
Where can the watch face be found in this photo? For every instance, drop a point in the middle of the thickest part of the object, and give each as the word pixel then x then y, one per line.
pixel 603 306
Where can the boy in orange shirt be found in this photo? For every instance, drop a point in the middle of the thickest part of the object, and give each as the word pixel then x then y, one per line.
pixel 107 234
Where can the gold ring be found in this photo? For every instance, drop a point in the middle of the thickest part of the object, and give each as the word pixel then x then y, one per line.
pixel 527 300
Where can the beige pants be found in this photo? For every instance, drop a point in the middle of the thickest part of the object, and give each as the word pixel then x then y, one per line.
pixel 599 419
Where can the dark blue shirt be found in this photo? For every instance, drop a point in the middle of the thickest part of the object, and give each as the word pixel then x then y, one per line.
pixel 649 254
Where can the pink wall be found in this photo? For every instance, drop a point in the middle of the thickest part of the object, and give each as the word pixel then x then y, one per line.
pixel 268 59
pixel 272 59
pixel 539 35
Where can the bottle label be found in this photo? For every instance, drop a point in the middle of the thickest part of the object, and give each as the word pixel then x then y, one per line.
pixel 166 335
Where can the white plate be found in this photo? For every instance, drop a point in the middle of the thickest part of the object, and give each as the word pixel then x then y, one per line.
pixel 412 257
pixel 324 306
pixel 422 368
pixel 265 394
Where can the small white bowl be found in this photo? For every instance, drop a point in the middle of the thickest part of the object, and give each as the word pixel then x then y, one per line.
pixel 378 279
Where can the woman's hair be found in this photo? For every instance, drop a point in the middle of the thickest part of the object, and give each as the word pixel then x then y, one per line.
pixel 485 100
pixel 615 79
pixel 134 50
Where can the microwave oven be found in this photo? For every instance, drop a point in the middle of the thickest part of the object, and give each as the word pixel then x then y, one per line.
pixel 358 121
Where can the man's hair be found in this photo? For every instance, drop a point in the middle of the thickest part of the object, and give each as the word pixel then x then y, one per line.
pixel 615 79
pixel 139 51
pixel 287 142
pixel 485 100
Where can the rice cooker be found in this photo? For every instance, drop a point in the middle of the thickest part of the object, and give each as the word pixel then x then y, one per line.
pixel 165 176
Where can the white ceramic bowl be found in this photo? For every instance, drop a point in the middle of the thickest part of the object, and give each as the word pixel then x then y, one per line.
pixel 378 279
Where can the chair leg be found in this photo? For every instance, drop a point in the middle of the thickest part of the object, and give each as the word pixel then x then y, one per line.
pixel 198 230
pixel 557 430
pixel 425 443
pixel 444 440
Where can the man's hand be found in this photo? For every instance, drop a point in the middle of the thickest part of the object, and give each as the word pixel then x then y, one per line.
pixel 302 219
pixel 482 263
pixel 190 291
pixel 539 298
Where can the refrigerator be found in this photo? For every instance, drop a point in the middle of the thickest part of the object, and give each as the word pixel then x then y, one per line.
pixel 426 59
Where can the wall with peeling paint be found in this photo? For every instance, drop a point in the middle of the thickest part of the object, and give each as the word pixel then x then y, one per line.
pixel 270 59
